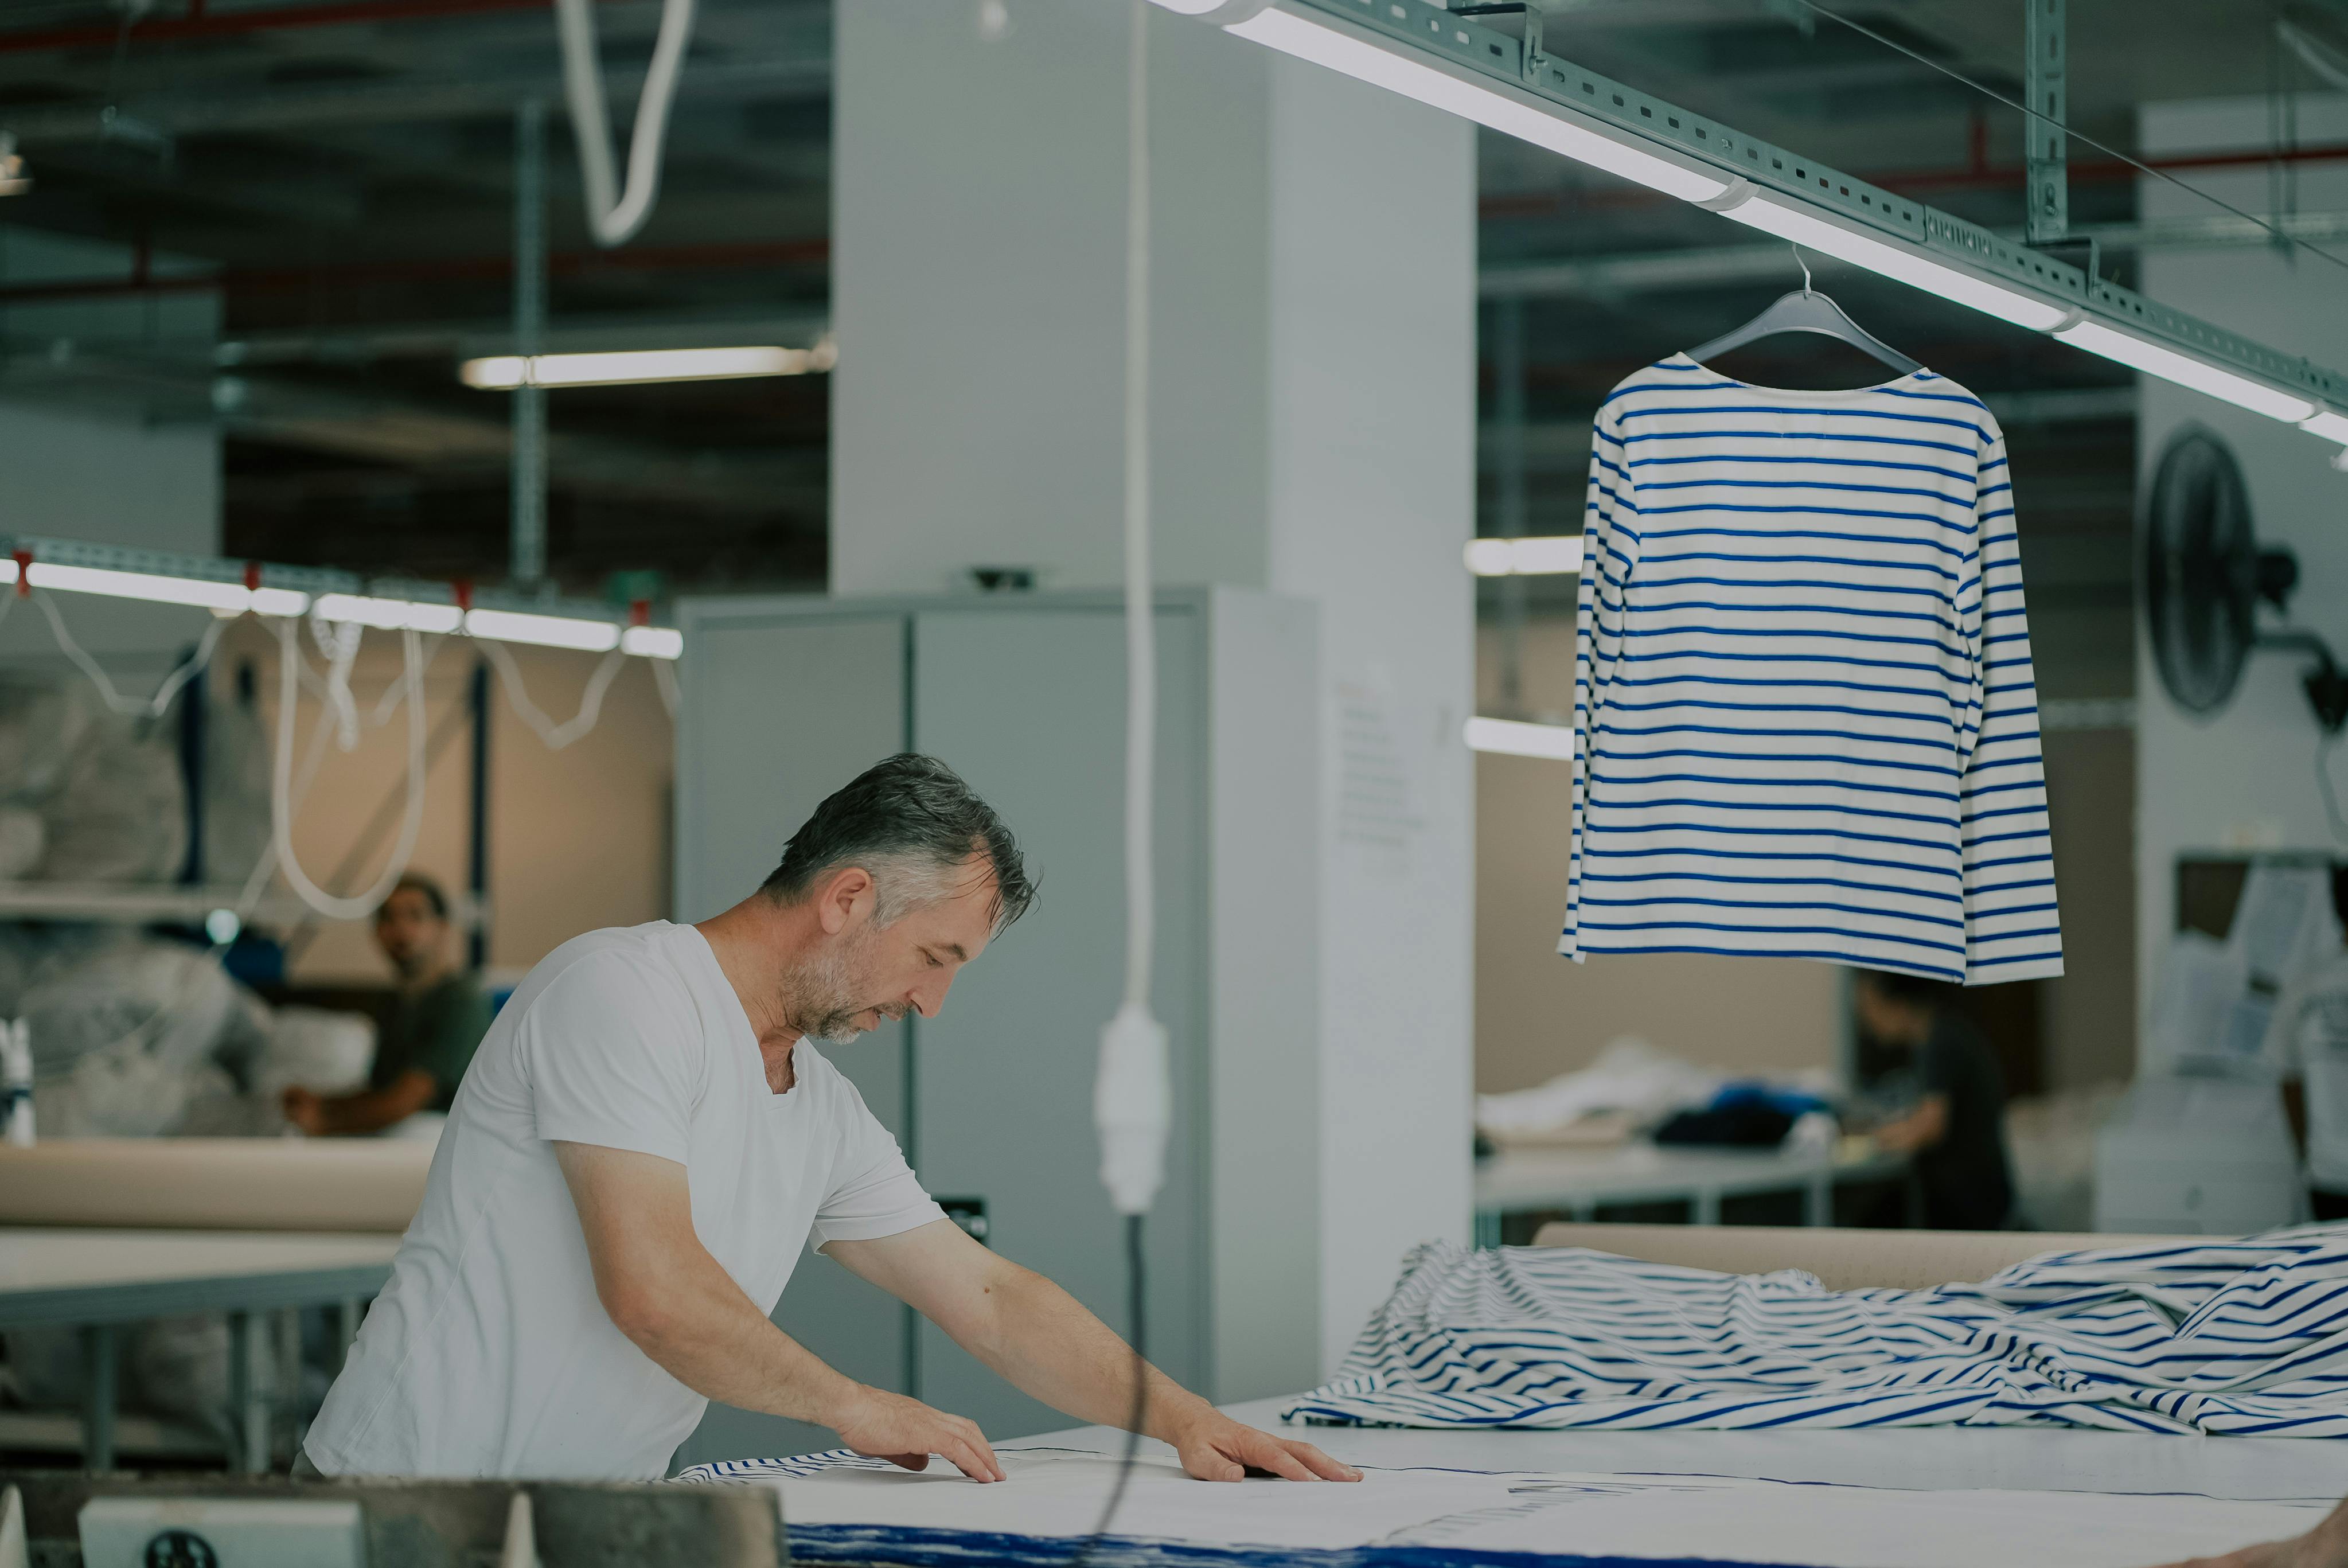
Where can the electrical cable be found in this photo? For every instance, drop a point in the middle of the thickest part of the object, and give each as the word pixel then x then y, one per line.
pixel 281 779
pixel 1135 1277
pixel 591 701
pixel 2141 167
pixel 613 216
pixel 1133 1097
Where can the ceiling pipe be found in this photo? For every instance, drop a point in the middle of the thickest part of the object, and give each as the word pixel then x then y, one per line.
pixel 485 269
pixel 197 22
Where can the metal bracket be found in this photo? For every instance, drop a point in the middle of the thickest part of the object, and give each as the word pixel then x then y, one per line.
pixel 1533 59
pixel 2046 54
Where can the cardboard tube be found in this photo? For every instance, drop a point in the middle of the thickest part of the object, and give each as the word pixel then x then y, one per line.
pixel 215 1184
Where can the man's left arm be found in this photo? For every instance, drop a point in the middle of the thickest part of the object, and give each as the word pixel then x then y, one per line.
pixel 1044 1343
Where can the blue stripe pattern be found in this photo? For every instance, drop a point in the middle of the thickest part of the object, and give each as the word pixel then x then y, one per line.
pixel 1801 652
pixel 2225 1337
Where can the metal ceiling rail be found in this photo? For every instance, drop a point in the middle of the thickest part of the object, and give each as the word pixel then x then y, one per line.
pixel 1587 103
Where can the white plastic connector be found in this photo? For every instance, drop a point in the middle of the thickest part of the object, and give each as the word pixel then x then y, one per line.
pixel 1133 1107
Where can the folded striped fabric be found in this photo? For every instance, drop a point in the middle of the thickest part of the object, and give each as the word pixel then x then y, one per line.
pixel 2224 1337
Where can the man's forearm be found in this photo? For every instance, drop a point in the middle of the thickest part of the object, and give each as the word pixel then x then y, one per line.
pixel 1043 1341
pixel 704 1332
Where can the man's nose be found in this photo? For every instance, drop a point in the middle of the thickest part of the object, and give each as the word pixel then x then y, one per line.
pixel 928 998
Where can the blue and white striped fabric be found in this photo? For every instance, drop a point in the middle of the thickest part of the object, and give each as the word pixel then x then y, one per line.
pixel 2246 1338
pixel 1805 716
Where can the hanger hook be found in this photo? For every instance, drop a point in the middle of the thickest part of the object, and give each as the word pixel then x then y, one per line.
pixel 1804 265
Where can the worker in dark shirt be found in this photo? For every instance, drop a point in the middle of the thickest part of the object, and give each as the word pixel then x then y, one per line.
pixel 1956 1134
pixel 425 1041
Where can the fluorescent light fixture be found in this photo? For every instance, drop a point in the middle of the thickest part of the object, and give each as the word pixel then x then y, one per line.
pixel 390 615
pixel 2331 426
pixel 654 642
pixel 1539 556
pixel 198 593
pixel 1309 38
pixel 1772 216
pixel 1512 738
pixel 543 631
pixel 504 372
pixel 2194 375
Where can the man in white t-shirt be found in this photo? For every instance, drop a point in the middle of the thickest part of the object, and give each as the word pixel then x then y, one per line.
pixel 2308 1042
pixel 647 1139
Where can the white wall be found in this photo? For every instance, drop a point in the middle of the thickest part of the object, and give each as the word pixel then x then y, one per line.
pixel 110 478
pixel 1312 399
pixel 2247 778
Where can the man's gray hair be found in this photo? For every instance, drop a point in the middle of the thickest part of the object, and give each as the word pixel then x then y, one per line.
pixel 913 824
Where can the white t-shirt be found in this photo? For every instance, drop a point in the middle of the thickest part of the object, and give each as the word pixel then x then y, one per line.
pixel 488 1354
pixel 2309 1038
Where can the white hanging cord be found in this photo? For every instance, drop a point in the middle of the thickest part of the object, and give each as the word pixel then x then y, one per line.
pixel 139 706
pixel 612 216
pixel 1133 1100
pixel 664 680
pixel 591 701
pixel 281 781
pixel 339 641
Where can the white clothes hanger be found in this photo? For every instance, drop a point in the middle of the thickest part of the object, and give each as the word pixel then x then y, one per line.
pixel 1806 311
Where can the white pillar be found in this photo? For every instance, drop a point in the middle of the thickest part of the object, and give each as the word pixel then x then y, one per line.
pixel 1312 399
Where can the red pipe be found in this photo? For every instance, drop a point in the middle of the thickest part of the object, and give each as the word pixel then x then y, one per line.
pixel 198 23
pixel 563 263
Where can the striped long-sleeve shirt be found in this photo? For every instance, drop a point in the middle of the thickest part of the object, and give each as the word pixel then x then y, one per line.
pixel 1805 720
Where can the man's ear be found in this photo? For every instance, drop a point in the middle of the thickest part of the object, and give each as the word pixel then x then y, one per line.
pixel 848 893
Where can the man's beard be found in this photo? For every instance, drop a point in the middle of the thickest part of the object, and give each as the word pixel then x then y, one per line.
pixel 819 996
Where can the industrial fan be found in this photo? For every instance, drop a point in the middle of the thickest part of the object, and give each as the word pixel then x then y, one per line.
pixel 2204 575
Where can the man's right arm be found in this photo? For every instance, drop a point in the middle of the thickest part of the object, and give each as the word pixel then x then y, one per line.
pixel 678 1306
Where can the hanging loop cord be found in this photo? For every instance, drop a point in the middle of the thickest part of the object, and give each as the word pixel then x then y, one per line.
pixel 281 780
pixel 152 706
pixel 614 216
pixel 591 701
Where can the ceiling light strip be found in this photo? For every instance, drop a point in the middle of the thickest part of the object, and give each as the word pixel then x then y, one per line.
pixel 236 588
pixel 1456 63
pixel 1537 556
pixel 1511 738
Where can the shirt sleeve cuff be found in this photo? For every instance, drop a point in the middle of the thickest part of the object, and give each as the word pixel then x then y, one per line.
pixel 874 1227
pixel 609 1135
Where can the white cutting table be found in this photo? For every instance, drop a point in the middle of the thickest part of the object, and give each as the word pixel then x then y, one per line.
pixel 98 1280
pixel 1576 1181
pixel 1934 1458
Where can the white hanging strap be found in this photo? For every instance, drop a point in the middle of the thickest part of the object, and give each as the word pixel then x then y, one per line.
pixel 613 215
pixel 281 782
pixel 520 1548
pixel 15 1550
pixel 591 701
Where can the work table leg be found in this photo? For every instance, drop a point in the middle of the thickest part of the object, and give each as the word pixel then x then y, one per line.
pixel 101 1371
pixel 248 1344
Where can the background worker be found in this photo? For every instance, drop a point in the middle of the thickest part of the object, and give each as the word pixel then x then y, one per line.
pixel 1956 1133
pixel 425 1042
pixel 644 1146
pixel 2307 1044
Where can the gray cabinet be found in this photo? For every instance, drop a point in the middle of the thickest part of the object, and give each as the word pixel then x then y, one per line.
pixel 786 699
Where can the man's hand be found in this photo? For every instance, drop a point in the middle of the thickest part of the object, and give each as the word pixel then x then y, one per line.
pixel 886 1426
pixel 2325 1546
pixel 306 1111
pixel 1215 1448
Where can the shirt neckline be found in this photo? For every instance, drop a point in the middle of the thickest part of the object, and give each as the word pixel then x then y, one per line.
pixel 745 1037
pixel 1918 375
